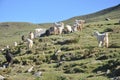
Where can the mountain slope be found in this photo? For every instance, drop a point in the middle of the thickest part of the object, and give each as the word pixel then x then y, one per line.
pixel 14 30
pixel 73 56
pixel 112 13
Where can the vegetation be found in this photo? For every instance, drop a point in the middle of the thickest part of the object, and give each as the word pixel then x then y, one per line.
pixel 79 59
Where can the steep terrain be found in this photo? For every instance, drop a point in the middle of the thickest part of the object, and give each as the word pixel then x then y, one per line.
pixel 73 56
pixel 112 13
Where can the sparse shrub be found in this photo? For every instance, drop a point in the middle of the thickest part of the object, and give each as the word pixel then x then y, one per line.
pixel 16 61
pixel 67 48
pixel 45 39
pixel 98 24
pixel 88 25
pixel 5 71
pixel 70 41
pixel 109 24
pixel 62 78
pixel 29 52
pixel 114 45
pixel 108 30
pixel 101 25
pixel 102 57
pixel 111 64
pixel 38 62
pixel 116 72
pixel 24 62
pixel 77 69
pixel 19 71
pixel 48 59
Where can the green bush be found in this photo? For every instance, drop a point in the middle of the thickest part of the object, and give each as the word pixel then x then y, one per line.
pixel 62 78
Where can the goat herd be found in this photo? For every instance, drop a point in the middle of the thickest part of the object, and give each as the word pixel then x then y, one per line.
pixel 57 29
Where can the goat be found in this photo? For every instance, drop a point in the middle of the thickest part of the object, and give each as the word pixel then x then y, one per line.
pixel 79 24
pixel 102 39
pixel 9 57
pixel 39 32
pixel 31 35
pixel 60 27
pixel 29 43
pixel 69 28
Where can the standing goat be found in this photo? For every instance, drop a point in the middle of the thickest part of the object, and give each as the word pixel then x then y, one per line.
pixel 29 43
pixel 31 35
pixel 79 24
pixel 60 27
pixel 102 39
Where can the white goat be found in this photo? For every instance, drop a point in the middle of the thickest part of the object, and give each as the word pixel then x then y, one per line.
pixel 79 24
pixel 75 27
pixel 29 43
pixel 60 27
pixel 31 35
pixel 39 31
pixel 69 28
pixel 102 39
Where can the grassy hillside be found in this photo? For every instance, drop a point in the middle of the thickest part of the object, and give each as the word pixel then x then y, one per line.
pixel 112 13
pixel 14 30
pixel 79 57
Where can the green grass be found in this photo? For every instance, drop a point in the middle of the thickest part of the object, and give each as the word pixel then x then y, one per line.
pixel 82 59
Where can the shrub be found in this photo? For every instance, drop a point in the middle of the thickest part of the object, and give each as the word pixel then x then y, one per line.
pixel 108 30
pixel 77 69
pixel 62 78
pixel 70 41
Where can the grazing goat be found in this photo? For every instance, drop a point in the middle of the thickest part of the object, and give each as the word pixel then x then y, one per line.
pixel 29 43
pixel 53 30
pixel 9 57
pixel 102 39
pixel 74 27
pixel 60 27
pixel 39 32
pixel 69 28
pixel 31 35
pixel 79 24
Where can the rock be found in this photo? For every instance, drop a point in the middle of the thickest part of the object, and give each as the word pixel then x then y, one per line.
pixel 99 72
pixel 96 61
pixel 29 70
pixel 108 71
pixel 38 74
pixel 116 78
pixel 58 51
pixel 2 78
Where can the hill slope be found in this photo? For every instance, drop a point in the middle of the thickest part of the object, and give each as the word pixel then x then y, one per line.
pixel 14 30
pixel 79 57
pixel 112 13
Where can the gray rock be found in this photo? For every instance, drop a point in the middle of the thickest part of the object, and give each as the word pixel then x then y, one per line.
pixel 30 69
pixel 116 78
pixel 108 71
pixel 2 78
pixel 38 74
